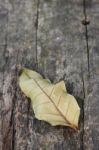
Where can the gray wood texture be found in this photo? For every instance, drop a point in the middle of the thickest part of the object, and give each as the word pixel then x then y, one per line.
pixel 91 106
pixel 59 39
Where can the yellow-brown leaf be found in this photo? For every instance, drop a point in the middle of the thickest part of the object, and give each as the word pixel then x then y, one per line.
pixel 50 102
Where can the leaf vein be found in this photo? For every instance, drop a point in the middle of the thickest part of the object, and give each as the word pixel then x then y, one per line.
pixel 40 92
pixel 75 116
pixel 59 99
pixel 52 90
pixel 41 104
pixel 68 107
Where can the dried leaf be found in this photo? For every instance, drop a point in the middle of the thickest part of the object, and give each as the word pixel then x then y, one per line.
pixel 50 102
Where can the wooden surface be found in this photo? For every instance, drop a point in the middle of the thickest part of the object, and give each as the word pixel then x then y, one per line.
pixel 59 39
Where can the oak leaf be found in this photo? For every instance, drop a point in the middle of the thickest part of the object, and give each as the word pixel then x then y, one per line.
pixel 50 102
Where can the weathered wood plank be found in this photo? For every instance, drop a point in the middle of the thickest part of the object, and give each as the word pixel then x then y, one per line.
pixel 3 26
pixel 62 54
pixel 1 94
pixel 91 133
pixel 19 42
pixel 50 34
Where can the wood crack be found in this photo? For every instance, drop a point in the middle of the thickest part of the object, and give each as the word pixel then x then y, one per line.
pixel 13 105
pixel 88 67
pixel 82 107
pixel 4 68
pixel 5 49
pixel 36 56
pixel 86 35
pixel 36 25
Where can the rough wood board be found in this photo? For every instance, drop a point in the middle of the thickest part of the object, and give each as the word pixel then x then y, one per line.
pixel 91 107
pixel 18 48
pixel 47 36
pixel 62 55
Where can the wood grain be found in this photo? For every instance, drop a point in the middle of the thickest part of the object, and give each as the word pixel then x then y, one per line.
pixel 91 119
pixel 59 39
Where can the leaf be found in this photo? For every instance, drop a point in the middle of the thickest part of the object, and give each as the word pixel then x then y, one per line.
pixel 50 102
